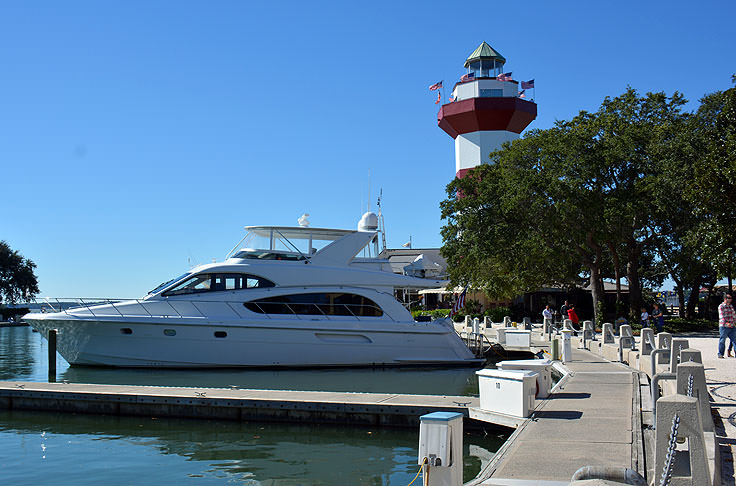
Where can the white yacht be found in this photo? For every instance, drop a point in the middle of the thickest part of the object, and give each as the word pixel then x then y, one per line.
pixel 284 297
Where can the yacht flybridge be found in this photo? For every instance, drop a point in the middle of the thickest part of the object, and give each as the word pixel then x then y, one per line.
pixel 284 297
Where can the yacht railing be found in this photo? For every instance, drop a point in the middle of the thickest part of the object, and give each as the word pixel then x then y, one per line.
pixel 193 309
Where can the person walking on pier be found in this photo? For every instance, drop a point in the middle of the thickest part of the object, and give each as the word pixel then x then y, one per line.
pixel 657 318
pixel 726 323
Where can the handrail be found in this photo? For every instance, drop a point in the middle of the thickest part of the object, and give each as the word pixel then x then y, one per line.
pixel 95 307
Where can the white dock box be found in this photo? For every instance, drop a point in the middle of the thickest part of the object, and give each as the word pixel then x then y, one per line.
pixel 518 338
pixel 501 335
pixel 543 368
pixel 510 392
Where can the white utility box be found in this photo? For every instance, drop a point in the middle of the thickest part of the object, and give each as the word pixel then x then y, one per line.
pixel 501 335
pixel 543 368
pixel 510 392
pixel 518 338
pixel 441 448
pixel 566 345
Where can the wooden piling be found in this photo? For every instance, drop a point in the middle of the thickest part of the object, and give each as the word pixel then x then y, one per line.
pixel 52 355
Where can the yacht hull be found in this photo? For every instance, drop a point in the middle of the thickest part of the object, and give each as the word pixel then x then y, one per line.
pixel 204 343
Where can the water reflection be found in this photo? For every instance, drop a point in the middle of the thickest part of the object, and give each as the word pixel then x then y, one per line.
pixel 24 356
pixel 123 450
pixel 19 350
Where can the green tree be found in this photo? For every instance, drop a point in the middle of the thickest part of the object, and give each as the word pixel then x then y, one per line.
pixel 562 203
pixel 17 278
pixel 712 190
pixel 675 222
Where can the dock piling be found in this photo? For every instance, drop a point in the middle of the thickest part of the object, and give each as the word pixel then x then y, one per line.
pixel 52 355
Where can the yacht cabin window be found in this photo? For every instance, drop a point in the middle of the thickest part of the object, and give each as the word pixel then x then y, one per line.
pixel 213 282
pixel 317 304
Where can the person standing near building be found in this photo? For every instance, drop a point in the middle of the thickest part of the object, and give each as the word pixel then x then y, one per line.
pixel 563 312
pixel 726 323
pixel 573 316
pixel 657 318
pixel 547 314
pixel 644 317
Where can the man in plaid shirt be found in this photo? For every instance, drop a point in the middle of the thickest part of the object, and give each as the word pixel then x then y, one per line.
pixel 726 323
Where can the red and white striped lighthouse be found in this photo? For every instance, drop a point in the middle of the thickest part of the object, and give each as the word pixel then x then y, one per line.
pixel 486 112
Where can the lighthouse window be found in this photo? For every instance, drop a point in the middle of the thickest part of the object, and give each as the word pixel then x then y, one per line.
pixel 491 93
pixel 317 304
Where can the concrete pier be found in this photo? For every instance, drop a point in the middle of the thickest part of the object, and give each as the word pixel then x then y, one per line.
pixel 592 419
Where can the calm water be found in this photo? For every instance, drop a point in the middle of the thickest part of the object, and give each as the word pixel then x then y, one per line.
pixel 81 449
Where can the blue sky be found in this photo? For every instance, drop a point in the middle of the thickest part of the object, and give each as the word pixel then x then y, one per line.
pixel 136 137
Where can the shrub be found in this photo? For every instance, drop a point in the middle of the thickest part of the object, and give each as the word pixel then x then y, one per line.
pixel 498 313
pixel 434 314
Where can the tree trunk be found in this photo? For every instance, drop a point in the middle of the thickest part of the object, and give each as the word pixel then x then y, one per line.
pixel 681 300
pixel 694 296
pixel 632 276
pixel 617 272
pixel 709 300
pixel 597 294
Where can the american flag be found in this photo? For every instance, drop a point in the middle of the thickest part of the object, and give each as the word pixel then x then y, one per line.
pixel 521 94
pixel 527 84
pixel 452 99
pixel 435 86
pixel 460 303
pixel 467 77
pixel 504 77
pixel 439 98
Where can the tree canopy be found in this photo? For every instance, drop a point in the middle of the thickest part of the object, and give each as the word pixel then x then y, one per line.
pixel 627 190
pixel 17 278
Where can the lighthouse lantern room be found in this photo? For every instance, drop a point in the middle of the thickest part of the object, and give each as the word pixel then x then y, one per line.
pixel 487 110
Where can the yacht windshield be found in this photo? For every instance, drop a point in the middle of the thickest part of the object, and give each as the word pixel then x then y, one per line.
pixel 166 284
pixel 214 282
pixel 268 255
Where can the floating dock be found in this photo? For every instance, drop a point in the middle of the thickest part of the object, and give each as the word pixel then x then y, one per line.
pixel 370 409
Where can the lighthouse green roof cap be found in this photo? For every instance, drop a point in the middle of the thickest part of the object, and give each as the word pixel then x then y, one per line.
pixel 484 51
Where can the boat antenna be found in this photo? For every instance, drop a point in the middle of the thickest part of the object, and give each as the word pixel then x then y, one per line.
pixel 381 226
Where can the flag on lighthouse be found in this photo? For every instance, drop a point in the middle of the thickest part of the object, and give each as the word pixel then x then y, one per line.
pixel 439 98
pixel 459 303
pixel 467 77
pixel 527 84
pixel 435 86
pixel 504 77
pixel 521 93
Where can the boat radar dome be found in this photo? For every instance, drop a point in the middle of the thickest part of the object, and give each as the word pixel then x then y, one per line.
pixel 369 222
pixel 304 220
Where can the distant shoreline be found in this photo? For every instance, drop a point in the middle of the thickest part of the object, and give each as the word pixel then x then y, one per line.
pixel 13 324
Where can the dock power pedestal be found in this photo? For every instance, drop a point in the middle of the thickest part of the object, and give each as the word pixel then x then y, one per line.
pixel 441 448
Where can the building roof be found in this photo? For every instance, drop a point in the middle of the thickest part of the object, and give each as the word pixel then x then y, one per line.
pixel 485 51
